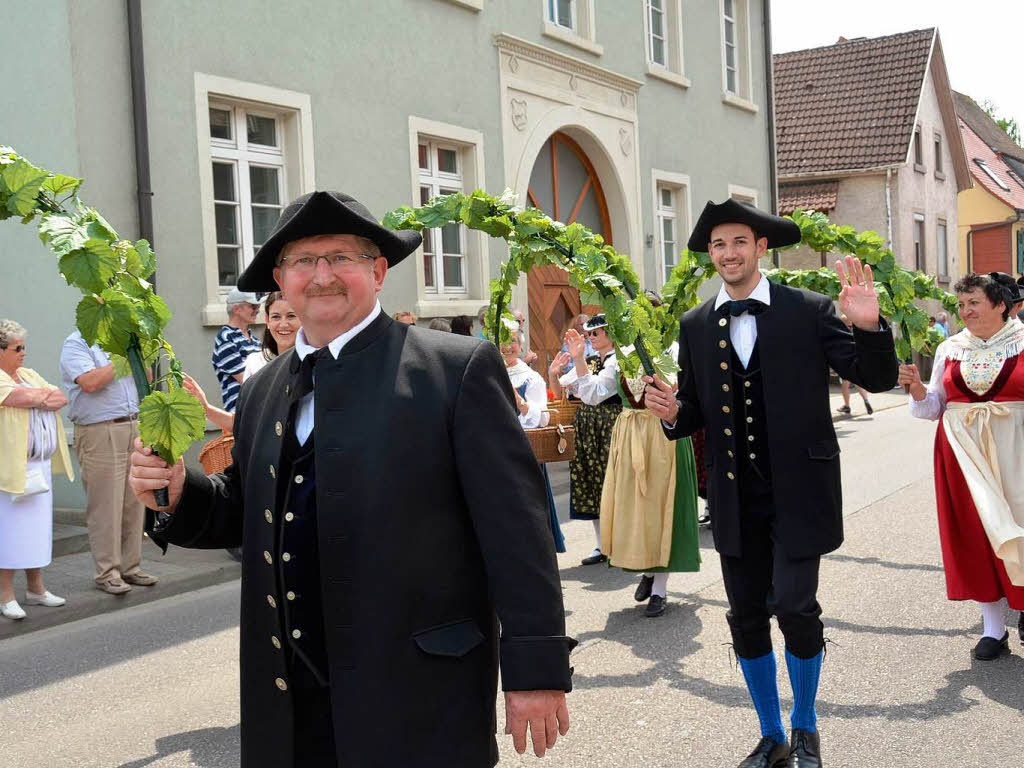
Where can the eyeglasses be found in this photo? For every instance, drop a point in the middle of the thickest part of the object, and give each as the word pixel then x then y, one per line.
pixel 339 262
pixel 20 348
pixel 592 334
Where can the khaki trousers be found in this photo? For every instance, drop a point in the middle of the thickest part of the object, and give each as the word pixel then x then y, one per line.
pixel 113 516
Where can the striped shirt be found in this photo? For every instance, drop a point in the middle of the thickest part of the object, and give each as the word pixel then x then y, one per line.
pixel 230 349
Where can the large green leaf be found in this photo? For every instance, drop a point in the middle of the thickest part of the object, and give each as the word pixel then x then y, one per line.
pixel 22 182
pixel 151 315
pixel 106 320
pixel 62 232
pixel 170 422
pixel 89 270
pixel 146 259
pixel 60 185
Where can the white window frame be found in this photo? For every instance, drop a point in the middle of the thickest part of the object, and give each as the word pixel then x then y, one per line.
pixel 743 194
pixel 992 174
pixel 583 34
pixel 437 183
pixel 742 97
pixel 917 150
pixel 294 115
pixel 672 69
pixel 679 183
pixel 476 266
pixel 921 265
pixel 937 150
pixel 942 250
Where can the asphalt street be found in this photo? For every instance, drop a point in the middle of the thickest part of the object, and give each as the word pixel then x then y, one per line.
pixel 157 684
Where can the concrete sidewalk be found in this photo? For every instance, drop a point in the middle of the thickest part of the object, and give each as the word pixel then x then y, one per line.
pixel 70 576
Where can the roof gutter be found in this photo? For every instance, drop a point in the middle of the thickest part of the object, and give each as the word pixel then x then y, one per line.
pixel 769 77
pixel 809 175
pixel 140 123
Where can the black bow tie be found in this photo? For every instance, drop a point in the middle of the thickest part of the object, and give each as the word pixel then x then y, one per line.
pixel 305 370
pixel 737 307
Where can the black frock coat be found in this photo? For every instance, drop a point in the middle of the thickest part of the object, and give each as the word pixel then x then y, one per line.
pixel 432 526
pixel 799 338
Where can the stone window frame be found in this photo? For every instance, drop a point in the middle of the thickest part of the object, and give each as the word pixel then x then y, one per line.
pixel 940 171
pixel 742 97
pixel 680 184
pixel 917 151
pixel 294 113
pixel 582 34
pixel 673 70
pixel 744 194
pixel 472 5
pixel 470 144
pixel 920 259
pixel 942 251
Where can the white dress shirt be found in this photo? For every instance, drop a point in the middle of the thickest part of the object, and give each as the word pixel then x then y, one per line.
pixel 592 389
pixel 743 329
pixel 536 396
pixel 304 416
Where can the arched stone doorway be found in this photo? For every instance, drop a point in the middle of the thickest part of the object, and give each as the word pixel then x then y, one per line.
pixel 563 184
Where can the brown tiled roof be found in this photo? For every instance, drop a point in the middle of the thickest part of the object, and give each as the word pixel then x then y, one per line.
pixel 851 105
pixel 812 196
pixel 988 130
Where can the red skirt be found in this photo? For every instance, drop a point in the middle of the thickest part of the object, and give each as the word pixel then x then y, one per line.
pixel 973 572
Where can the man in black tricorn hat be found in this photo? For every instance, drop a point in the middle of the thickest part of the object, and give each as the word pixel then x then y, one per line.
pixel 755 374
pixel 383 578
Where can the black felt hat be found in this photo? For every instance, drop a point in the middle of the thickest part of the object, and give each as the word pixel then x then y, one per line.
pixel 597 321
pixel 1012 287
pixel 779 231
pixel 324 213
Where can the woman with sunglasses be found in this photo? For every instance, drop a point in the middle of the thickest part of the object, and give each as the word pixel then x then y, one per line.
pixel 595 382
pixel 32 445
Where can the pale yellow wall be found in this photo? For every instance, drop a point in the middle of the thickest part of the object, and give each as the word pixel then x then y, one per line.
pixel 977 206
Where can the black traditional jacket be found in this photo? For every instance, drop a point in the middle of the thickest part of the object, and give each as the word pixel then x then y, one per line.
pixel 431 526
pixel 799 337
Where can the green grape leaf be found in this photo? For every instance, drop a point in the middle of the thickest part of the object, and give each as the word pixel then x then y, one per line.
pixel 151 315
pixel 902 287
pixel 22 182
pixel 60 185
pixel 89 269
pixel 63 233
pixel 106 320
pixel 903 350
pixel 121 366
pixel 170 422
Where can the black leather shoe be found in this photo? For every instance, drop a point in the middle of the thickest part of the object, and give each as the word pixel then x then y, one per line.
pixel 1020 626
pixel 988 648
pixel 643 589
pixel 655 607
pixel 767 754
pixel 600 557
pixel 805 751
pixel 704 520
pixel 868 408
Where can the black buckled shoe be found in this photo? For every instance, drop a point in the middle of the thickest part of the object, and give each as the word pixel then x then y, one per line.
pixel 643 589
pixel 594 559
pixel 805 750
pixel 988 648
pixel 655 607
pixel 767 754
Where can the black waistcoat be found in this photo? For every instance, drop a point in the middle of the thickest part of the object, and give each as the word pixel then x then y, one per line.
pixel 298 556
pixel 753 463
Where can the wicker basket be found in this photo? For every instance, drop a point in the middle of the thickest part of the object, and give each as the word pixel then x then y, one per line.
pixel 553 443
pixel 216 454
pixel 563 411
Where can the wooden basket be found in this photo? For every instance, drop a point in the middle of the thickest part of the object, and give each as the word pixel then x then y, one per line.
pixel 216 454
pixel 553 443
pixel 563 411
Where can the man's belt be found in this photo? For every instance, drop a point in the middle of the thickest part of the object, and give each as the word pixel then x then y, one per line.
pixel 125 419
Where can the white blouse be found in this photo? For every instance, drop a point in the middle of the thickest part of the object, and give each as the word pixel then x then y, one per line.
pixel 594 389
pixel 254 363
pixel 934 402
pixel 536 395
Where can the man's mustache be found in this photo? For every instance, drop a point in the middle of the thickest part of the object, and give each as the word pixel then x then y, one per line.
pixel 337 289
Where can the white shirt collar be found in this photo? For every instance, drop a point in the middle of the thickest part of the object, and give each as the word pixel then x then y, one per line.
pixel 303 347
pixel 761 292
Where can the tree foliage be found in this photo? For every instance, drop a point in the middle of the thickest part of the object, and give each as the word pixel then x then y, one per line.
pixel 119 309
pixel 605 277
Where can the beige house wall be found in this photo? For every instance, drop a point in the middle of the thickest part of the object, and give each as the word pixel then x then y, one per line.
pixel 927 192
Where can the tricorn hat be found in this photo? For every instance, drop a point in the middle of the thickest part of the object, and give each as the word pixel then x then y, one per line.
pixel 779 231
pixel 1013 289
pixel 324 213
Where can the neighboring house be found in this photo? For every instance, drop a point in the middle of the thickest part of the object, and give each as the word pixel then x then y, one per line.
pixel 867 134
pixel 991 214
pixel 626 116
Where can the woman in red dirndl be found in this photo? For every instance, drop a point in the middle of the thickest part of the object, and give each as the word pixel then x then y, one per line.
pixel 977 394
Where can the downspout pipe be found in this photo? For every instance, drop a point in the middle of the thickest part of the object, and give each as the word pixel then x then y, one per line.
pixel 140 123
pixel 888 205
pixel 769 77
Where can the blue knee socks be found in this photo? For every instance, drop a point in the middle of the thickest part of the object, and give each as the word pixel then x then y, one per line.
pixel 764 691
pixel 803 676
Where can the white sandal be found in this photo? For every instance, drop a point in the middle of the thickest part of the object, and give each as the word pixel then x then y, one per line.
pixel 12 610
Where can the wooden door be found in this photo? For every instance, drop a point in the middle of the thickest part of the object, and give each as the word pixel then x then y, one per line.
pixel 565 186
